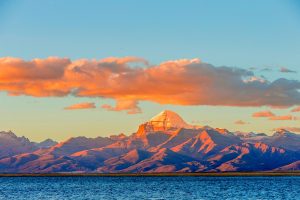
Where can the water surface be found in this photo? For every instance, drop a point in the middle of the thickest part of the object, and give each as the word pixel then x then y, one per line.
pixel 150 188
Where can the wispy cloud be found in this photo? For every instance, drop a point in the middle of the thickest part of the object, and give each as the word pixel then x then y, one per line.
pixel 263 114
pixel 240 122
pixel 292 129
pixel 121 104
pixel 286 70
pixel 266 69
pixel 177 82
pixel 297 109
pixel 283 117
pixel 271 116
pixel 78 106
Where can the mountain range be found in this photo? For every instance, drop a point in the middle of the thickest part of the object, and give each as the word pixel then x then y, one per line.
pixel 165 143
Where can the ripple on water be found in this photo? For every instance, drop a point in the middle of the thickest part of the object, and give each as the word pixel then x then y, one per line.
pixel 150 188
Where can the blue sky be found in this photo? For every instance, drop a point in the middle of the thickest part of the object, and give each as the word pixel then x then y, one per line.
pixel 234 33
pixel 260 34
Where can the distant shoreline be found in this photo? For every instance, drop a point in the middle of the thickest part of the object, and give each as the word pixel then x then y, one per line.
pixel 203 174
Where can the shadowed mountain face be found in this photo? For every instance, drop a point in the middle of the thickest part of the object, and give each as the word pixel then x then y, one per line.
pixel 166 143
pixel 11 145
pixel 46 143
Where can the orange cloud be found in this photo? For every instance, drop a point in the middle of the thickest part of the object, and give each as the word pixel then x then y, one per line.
pixel 178 82
pixel 263 114
pixel 283 117
pixel 291 129
pixel 81 106
pixel 240 122
pixel 17 70
pixel 297 109
pixel 39 77
pixel 272 116
pixel 129 105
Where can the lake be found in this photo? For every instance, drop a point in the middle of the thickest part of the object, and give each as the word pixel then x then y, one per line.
pixel 150 188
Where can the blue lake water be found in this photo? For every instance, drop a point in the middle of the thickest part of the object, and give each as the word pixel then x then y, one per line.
pixel 150 188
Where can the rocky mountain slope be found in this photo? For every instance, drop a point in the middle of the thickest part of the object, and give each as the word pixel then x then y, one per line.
pixel 166 143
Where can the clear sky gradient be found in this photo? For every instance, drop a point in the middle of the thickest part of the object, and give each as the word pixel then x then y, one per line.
pixel 244 34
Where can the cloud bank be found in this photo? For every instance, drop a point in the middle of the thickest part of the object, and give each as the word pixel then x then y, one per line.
pixel 129 80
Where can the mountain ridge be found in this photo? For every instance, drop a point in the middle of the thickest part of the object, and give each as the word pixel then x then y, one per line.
pixel 165 143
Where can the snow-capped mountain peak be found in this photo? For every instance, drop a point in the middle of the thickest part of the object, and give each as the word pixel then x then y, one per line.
pixel 167 119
